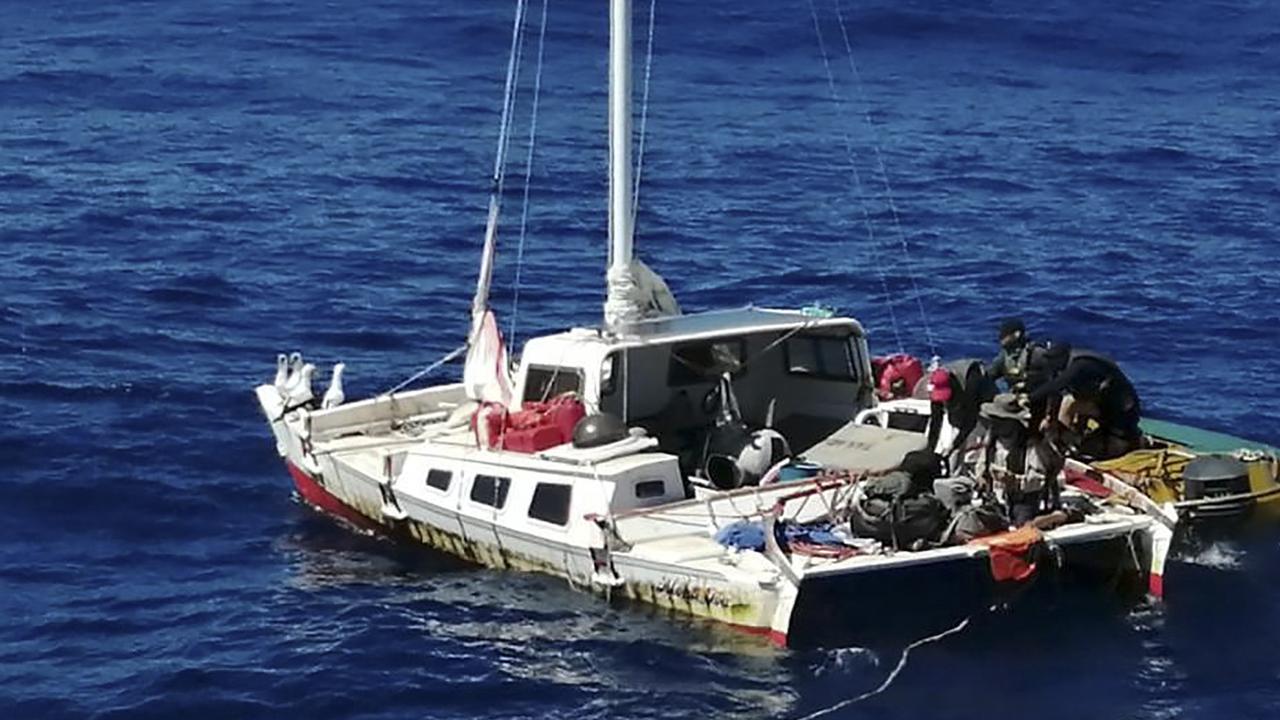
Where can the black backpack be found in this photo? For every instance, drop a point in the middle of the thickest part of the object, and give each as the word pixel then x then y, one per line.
pixel 975 521
pixel 892 513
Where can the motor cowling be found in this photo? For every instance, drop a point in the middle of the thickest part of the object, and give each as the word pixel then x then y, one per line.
pixel 1217 476
pixel 1214 476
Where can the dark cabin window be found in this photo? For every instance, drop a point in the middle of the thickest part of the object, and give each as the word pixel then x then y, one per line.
pixel 490 490
pixel 551 503
pixel 698 362
pixel 650 489
pixel 820 356
pixel 544 383
pixel 439 479
pixel 915 422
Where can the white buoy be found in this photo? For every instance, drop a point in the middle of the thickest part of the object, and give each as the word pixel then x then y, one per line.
pixel 333 397
pixel 282 372
pixel 300 391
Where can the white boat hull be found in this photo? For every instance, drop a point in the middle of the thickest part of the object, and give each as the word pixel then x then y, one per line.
pixel 658 559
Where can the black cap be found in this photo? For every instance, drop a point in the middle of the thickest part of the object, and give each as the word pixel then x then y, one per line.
pixel 1010 326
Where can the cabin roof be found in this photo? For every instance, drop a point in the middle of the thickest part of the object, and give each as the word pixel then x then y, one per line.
pixel 719 323
pixel 587 346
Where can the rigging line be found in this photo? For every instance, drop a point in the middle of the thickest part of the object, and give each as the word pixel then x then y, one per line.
pixel 528 176
pixel 857 177
pixel 644 117
pixel 884 175
pixel 515 94
pixel 453 354
pixel 902 662
pixel 508 102
pixel 485 277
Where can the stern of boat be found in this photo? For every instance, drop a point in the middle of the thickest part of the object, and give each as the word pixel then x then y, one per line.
pixel 914 594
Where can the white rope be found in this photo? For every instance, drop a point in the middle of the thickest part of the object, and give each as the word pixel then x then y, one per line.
pixel 857 177
pixel 884 175
pixel 644 116
pixel 453 354
pixel 902 662
pixel 528 176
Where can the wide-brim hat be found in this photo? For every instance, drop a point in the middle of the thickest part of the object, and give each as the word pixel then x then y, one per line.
pixel 1005 407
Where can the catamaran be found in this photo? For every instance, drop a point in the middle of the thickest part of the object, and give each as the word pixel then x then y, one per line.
pixel 641 458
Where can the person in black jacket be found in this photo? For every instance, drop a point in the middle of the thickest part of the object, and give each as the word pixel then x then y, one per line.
pixel 1086 397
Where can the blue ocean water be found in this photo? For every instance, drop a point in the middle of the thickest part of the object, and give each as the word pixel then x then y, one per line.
pixel 188 188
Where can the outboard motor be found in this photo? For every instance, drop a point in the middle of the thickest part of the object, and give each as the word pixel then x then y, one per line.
pixel 734 455
pixel 1213 476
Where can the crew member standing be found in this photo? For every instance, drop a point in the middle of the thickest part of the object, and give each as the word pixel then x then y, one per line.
pixel 1015 353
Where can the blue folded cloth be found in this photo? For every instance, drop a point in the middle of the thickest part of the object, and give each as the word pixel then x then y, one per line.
pixel 743 535
pixel 748 535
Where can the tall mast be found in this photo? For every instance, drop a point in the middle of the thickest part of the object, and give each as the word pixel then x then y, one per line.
pixel 620 189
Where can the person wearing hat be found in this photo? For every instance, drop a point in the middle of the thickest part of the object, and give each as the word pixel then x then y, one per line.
pixel 1088 400
pixel 956 392
pixel 1017 459
pixel 1015 351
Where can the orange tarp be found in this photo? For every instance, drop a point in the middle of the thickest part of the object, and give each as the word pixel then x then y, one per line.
pixel 1011 553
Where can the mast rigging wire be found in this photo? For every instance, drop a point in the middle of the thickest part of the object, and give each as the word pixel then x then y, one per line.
pixel 857 177
pixel 528 175
pixel 644 117
pixel 884 174
pixel 485 278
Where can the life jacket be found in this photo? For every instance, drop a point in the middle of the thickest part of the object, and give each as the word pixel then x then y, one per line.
pixel 897 375
pixel 1017 365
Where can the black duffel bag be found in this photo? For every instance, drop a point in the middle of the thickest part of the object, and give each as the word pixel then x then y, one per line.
pixel 975 521
pixel 892 513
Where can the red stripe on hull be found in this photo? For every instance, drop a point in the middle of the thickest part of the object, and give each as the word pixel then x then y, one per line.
pixel 773 636
pixel 315 495
pixel 1156 585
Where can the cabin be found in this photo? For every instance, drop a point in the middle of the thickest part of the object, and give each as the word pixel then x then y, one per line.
pixel 417 454
pixel 804 374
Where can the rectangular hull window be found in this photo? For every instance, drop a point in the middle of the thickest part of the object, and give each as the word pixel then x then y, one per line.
pixel 551 503
pixel 490 490
pixel 439 479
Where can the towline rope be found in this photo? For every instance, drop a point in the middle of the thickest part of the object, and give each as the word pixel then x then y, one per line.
pixel 902 662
